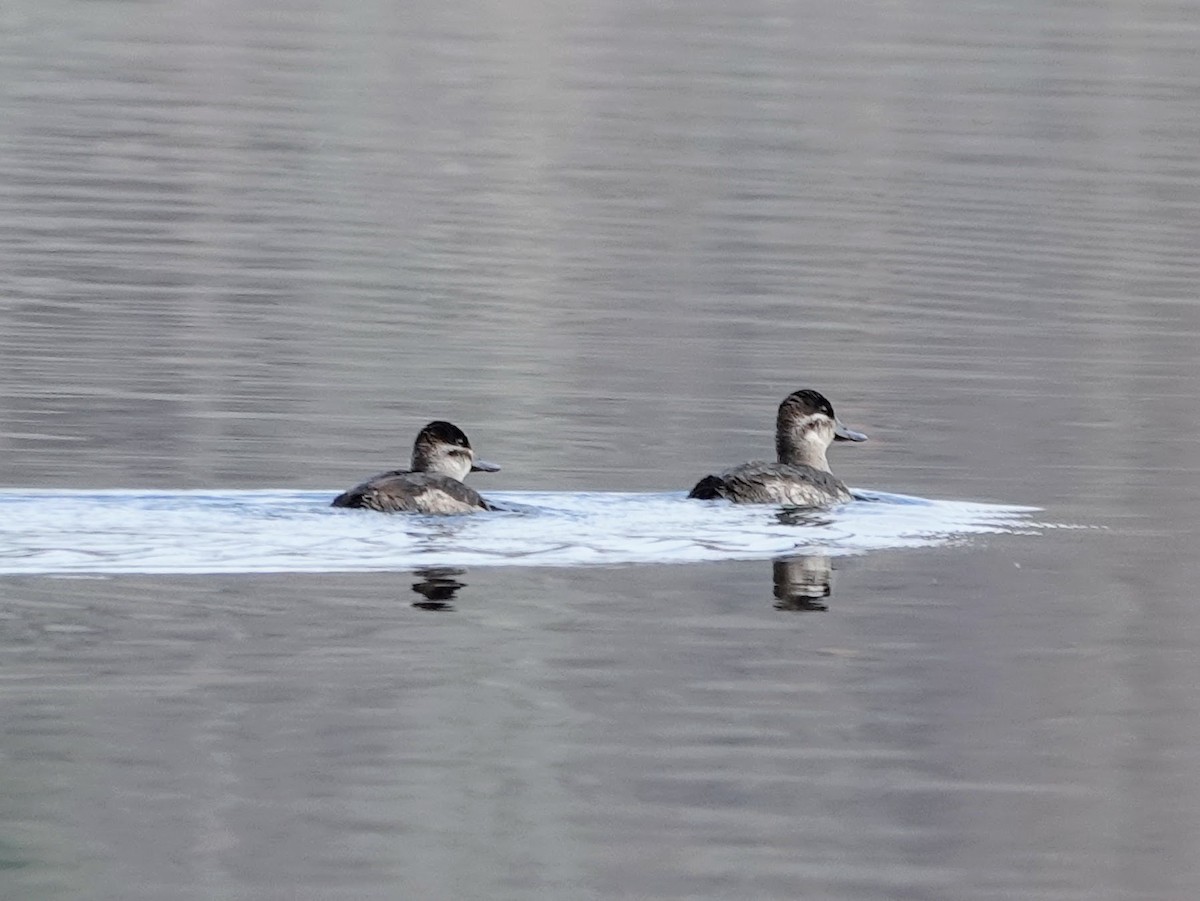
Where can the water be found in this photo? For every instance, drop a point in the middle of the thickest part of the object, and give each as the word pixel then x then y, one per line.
pixel 247 252
pixel 297 531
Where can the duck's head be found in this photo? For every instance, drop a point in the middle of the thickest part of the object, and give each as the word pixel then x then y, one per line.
pixel 806 426
pixel 443 448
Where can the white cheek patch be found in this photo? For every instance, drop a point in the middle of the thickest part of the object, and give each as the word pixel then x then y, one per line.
pixel 813 426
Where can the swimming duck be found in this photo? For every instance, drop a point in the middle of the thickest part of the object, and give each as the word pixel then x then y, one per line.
pixel 804 429
pixel 441 458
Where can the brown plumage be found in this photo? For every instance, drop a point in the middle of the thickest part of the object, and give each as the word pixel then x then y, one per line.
pixel 804 427
pixel 442 456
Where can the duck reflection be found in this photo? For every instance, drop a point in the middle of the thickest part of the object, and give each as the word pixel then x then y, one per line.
pixel 802 582
pixel 438 584
pixel 804 516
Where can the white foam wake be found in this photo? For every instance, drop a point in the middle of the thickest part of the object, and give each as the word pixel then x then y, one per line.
pixel 57 532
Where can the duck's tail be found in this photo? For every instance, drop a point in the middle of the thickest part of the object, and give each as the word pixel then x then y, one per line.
pixel 708 488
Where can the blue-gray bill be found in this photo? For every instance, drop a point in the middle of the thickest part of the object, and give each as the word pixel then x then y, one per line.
pixel 841 433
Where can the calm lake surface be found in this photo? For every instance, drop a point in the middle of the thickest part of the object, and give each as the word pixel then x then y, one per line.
pixel 246 246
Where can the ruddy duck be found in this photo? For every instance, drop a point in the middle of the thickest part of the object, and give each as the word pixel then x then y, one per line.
pixel 441 458
pixel 804 428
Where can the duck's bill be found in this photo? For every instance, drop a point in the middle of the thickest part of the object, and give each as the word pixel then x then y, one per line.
pixel 484 466
pixel 841 433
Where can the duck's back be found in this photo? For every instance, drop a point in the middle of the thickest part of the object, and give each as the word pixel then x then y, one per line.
pixel 401 491
pixel 773 483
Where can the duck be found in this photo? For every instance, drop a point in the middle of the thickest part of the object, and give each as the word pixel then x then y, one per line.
pixel 441 458
pixel 804 428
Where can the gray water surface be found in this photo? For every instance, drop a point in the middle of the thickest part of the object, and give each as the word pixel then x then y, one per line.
pixel 248 250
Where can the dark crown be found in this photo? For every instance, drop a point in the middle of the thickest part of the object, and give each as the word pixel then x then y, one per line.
pixel 806 401
pixel 444 433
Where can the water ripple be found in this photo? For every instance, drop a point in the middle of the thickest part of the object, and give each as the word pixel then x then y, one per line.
pixel 55 532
